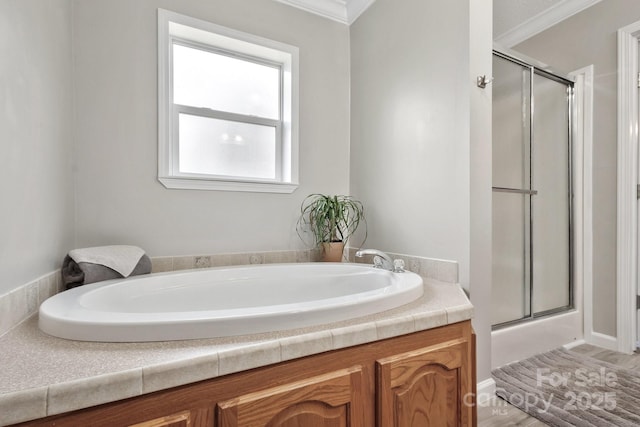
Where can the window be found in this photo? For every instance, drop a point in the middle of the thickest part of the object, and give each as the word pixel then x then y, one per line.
pixel 227 108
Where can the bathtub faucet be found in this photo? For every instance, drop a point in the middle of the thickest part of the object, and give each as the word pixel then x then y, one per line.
pixel 382 260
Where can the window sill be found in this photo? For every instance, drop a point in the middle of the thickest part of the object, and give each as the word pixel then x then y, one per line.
pixel 222 185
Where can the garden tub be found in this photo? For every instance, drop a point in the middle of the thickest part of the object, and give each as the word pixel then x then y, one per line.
pixel 225 301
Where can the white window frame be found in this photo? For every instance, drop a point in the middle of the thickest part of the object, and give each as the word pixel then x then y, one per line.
pixel 192 32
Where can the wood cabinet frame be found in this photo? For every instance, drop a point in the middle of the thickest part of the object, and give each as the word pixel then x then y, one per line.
pixel 365 377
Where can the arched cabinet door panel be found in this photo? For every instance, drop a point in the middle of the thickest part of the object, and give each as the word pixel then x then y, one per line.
pixel 330 400
pixel 424 387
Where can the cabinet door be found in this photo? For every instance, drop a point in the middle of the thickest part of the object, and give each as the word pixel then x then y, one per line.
pixel 330 400
pixel 426 387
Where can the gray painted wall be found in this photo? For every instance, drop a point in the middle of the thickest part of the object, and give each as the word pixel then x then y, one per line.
pixel 37 214
pixel 590 37
pixel 414 106
pixel 120 198
pixel 410 126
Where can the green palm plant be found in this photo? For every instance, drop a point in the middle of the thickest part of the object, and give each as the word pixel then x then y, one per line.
pixel 330 218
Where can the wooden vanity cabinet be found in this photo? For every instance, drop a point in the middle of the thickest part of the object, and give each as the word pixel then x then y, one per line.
pixel 416 380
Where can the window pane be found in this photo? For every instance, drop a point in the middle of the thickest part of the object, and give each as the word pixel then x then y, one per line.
pixel 219 82
pixel 221 147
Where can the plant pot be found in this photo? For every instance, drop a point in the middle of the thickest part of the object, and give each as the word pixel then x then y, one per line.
pixel 332 251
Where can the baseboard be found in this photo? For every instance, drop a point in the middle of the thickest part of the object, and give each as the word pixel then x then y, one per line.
pixel 602 340
pixel 573 344
pixel 486 390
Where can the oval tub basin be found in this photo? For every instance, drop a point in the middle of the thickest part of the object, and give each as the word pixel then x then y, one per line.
pixel 225 301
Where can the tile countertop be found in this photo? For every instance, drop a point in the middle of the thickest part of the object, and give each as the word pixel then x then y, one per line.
pixel 42 375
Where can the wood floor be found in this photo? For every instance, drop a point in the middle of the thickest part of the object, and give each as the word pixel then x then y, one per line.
pixel 498 413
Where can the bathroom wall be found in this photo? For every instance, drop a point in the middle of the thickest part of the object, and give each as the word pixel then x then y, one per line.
pixel 590 37
pixel 37 214
pixel 480 141
pixel 119 197
pixel 410 126
pixel 421 138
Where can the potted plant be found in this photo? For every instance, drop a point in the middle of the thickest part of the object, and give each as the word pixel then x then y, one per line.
pixel 331 220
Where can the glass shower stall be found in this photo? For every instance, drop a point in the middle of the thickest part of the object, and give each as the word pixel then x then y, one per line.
pixel 532 192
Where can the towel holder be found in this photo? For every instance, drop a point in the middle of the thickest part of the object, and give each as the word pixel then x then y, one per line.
pixel 482 81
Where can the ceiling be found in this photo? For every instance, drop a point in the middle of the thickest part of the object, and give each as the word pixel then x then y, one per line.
pixel 513 20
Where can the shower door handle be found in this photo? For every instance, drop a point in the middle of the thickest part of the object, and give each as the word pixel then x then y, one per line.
pixel 514 190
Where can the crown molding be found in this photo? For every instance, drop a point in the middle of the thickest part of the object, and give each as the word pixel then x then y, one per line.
pixel 542 21
pixel 355 8
pixel 343 11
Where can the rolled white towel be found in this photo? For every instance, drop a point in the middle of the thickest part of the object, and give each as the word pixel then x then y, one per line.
pixel 121 258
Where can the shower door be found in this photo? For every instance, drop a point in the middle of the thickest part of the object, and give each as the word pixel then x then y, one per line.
pixel 531 192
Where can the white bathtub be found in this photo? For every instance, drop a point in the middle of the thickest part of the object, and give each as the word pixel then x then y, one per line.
pixel 225 301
